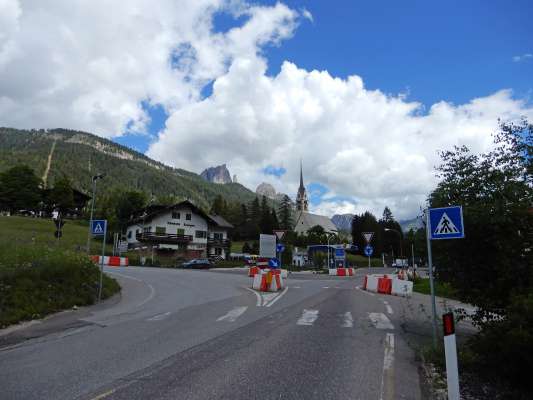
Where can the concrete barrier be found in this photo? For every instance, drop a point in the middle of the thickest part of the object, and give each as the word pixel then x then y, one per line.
pixel 111 261
pixel 388 284
pixel 341 271
pixel 268 281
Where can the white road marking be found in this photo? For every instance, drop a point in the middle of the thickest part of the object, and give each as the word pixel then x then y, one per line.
pixel 380 321
pixel 268 297
pixel 232 315
pixel 325 287
pixel 308 317
pixel 296 287
pixel 278 297
pixel 258 296
pixel 152 290
pixel 348 320
pixel 387 379
pixel 364 291
pixel 159 317
pixel 388 307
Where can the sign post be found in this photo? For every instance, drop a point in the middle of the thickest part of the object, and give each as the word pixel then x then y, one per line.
pixel 450 352
pixel 279 247
pixel 99 228
pixel 441 223
pixel 368 249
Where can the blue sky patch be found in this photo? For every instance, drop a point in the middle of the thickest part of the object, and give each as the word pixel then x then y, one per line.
pixel 275 171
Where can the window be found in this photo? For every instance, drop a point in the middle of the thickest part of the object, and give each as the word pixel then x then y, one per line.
pixel 188 217
pixel 175 215
pixel 218 251
pixel 218 236
pixel 147 229
pixel 160 230
pixel 129 234
pixel 180 231
pixel 200 234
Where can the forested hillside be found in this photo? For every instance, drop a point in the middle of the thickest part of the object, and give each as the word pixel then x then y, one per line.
pixel 80 155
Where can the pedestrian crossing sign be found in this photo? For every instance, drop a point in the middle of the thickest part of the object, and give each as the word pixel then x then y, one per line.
pixel 446 223
pixel 98 226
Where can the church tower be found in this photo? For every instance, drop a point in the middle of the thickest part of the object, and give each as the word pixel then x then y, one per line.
pixel 301 196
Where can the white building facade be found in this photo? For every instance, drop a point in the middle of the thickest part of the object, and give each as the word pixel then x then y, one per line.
pixel 182 228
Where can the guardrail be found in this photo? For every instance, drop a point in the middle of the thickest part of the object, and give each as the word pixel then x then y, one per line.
pixel 162 238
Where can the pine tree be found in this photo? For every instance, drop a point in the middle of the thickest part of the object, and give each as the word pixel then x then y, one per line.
pixel 20 189
pixel 285 214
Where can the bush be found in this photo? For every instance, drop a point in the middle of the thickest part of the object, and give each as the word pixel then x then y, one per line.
pixel 504 348
pixel 38 281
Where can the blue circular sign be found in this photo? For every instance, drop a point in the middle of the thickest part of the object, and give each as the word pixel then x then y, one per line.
pixel 280 247
pixel 369 250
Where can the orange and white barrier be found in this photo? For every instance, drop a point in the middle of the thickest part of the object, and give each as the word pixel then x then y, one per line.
pixel 252 271
pixel 388 284
pixel 341 271
pixel 268 281
pixel 111 261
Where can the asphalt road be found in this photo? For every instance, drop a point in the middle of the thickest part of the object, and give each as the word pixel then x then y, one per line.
pixel 178 334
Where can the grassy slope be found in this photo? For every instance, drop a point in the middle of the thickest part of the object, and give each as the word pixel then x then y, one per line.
pixel 23 231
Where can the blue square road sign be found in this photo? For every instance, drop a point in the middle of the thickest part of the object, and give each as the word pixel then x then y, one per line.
pixel 98 226
pixel 446 223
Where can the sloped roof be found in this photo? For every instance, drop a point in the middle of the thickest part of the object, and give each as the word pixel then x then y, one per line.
pixel 306 220
pixel 219 221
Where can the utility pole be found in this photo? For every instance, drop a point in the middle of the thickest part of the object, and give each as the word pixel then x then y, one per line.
pixel 94 179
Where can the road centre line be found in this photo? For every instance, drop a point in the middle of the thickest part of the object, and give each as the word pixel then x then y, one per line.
pixel 278 297
pixel 232 315
pixel 159 317
pixel 104 395
pixel 387 379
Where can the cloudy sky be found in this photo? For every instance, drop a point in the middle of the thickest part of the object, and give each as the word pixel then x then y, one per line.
pixel 366 93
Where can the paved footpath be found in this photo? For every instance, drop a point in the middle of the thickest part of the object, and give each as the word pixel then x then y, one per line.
pixel 204 335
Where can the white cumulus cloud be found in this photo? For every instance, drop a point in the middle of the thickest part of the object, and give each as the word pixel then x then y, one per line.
pixel 369 148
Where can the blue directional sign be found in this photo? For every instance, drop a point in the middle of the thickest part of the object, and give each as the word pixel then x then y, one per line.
pixel 98 226
pixel 369 250
pixel 273 263
pixel 339 253
pixel 446 223
pixel 280 248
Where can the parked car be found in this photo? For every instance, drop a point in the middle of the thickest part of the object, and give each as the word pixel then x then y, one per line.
pixel 198 263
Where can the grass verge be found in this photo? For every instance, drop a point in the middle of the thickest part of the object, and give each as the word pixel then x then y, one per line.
pixel 441 289
pixel 36 281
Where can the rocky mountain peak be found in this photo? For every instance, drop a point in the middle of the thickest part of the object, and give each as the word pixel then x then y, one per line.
pixel 267 190
pixel 218 174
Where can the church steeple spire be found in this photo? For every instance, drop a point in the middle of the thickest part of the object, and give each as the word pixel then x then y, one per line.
pixel 301 196
pixel 301 175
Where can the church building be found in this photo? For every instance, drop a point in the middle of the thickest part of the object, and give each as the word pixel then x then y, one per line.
pixel 304 220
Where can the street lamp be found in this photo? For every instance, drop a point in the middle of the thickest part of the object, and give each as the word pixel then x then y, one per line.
pixel 94 179
pixel 329 235
pixel 400 235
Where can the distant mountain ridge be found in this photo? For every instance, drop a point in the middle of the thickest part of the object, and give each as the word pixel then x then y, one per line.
pixel 218 174
pixel 80 155
pixel 343 222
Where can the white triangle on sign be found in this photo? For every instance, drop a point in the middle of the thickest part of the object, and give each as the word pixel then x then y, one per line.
pixel 98 229
pixel 368 236
pixel 279 234
pixel 445 226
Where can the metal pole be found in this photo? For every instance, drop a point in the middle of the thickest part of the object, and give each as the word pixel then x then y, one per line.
pixel 329 266
pixel 431 284
pixel 102 265
pixel 91 219
pixel 413 253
